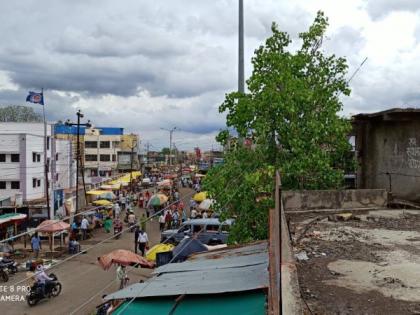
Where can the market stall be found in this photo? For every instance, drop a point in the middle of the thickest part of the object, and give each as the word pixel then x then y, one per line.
pixel 52 228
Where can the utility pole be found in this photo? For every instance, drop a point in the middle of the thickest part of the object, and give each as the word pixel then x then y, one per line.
pixel 171 131
pixel 78 153
pixel 241 80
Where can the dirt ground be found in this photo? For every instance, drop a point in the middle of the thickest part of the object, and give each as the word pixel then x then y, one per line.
pixel 366 265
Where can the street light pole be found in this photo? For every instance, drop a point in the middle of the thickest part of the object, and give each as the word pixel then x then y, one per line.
pixel 79 115
pixel 171 131
pixel 78 154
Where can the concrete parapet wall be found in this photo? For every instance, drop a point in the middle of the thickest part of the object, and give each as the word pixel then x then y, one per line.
pixel 334 199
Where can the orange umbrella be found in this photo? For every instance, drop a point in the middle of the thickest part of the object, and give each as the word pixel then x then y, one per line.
pixel 52 226
pixel 123 257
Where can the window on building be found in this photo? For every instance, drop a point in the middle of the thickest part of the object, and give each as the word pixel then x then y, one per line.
pixel 2 185
pixel 56 177
pixel 114 158
pixel 91 144
pixel 48 143
pixel 91 158
pixel 38 183
pixel 105 158
pixel 105 144
pixel 2 157
pixel 34 182
pixel 56 156
pixel 15 185
pixel 102 173
pixel 14 157
pixel 36 157
pixel 116 144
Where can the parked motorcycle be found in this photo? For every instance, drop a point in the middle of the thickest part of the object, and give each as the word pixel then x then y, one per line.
pixel 3 274
pixel 10 265
pixel 52 289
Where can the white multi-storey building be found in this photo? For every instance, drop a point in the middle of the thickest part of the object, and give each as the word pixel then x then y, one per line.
pixel 22 164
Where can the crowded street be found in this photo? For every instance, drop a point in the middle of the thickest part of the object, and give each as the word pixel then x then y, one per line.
pixel 84 282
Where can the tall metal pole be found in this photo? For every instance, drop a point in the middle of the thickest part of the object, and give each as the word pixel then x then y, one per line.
pixel 131 166
pixel 170 147
pixel 47 197
pixel 77 160
pixel 241 80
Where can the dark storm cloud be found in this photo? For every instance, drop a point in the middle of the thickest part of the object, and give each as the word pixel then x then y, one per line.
pixel 143 64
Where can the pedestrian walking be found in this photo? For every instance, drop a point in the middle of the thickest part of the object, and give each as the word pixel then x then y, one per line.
pixel 123 201
pixel 141 200
pixel 117 210
pixel 168 219
pixel 36 244
pixel 108 224
pixel 175 219
pixel 131 220
pixel 161 222
pixel 176 195
pixel 84 225
pixel 122 276
pixel 143 241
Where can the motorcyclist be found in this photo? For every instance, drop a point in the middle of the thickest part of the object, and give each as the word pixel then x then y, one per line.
pixel 117 226
pixel 42 278
pixel 131 220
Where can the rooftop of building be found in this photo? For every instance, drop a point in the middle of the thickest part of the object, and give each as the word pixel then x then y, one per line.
pixel 72 130
pixel 395 113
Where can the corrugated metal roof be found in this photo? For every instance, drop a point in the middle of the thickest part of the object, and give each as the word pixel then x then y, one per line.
pixel 229 270
pixel 390 111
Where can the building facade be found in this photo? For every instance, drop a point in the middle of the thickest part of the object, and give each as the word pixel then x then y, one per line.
pixel 387 147
pixel 105 151
pixel 22 165
pixel 101 148
pixel 127 156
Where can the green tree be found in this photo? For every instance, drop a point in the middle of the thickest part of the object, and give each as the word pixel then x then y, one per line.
pixel 291 112
pixel 165 151
pixel 18 113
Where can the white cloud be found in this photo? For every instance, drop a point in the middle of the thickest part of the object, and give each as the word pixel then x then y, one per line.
pixel 143 64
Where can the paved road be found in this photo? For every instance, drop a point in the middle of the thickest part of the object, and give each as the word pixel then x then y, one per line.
pixel 82 278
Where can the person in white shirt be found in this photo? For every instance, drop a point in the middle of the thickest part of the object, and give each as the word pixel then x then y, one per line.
pixel 122 276
pixel 117 210
pixel 84 227
pixel 161 222
pixel 142 241
pixel 42 278
pixel 204 215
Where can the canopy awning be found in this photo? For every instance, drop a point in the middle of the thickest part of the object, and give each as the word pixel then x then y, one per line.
pixel 9 217
pixel 52 226
pixel 96 192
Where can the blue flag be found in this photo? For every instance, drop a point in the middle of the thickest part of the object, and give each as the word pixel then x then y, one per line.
pixel 37 98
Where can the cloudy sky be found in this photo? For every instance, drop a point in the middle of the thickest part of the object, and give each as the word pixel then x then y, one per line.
pixel 143 65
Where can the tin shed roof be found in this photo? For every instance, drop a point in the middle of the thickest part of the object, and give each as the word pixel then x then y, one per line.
pixel 228 270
